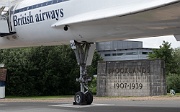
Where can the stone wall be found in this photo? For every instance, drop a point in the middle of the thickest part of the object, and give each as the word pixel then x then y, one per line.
pixel 131 78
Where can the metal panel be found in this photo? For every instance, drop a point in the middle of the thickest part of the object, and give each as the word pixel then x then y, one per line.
pixel 3 25
pixel 90 54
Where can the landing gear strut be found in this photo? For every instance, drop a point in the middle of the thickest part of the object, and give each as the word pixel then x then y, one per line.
pixel 84 53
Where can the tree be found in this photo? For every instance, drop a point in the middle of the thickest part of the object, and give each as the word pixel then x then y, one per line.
pixel 173 82
pixel 56 70
pixel 176 57
pixel 172 64
pixel 18 79
pixel 92 70
pixel 35 71
pixel 165 52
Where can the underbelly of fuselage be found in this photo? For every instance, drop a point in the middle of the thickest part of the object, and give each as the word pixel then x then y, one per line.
pixel 155 22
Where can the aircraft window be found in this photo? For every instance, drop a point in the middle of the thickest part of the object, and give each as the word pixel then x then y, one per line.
pixel 38 5
pixel 55 1
pixel 45 4
pixel 30 7
pixel 34 6
pixel 49 3
pixel 59 1
pixel 107 55
pixel 16 11
pixel 25 9
pixel 20 10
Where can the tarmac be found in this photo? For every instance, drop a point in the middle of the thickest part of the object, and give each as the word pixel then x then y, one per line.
pixel 134 104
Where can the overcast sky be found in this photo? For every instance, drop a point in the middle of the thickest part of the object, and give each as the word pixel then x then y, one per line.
pixel 155 42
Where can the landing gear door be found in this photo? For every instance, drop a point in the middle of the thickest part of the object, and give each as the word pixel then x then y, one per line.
pixel 90 54
pixel 4 28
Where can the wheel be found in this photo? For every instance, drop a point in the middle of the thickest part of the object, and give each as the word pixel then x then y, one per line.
pixel 79 98
pixel 89 98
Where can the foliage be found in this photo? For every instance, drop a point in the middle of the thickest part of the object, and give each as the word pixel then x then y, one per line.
pixel 172 64
pixel 93 85
pixel 176 58
pixel 42 71
pixel 92 70
pixel 165 52
pixel 173 82
pixel 55 68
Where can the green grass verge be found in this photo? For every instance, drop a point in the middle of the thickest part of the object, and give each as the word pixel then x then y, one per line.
pixel 39 97
pixel 177 94
pixel 71 96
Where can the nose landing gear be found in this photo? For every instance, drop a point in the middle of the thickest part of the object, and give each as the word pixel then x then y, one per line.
pixel 84 53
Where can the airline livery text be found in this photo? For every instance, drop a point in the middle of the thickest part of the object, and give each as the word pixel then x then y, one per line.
pixel 28 18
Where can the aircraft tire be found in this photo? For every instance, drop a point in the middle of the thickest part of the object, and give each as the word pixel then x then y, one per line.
pixel 89 98
pixel 79 98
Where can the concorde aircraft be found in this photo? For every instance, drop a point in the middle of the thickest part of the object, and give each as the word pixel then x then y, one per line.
pixel 80 23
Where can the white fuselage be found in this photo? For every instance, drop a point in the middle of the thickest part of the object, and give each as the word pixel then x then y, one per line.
pixel 41 22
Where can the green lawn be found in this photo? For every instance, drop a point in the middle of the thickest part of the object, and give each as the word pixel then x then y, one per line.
pixel 177 94
pixel 40 97
pixel 71 96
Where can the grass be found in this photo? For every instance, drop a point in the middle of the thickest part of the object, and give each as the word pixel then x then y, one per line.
pixel 71 96
pixel 126 97
pixel 39 97
pixel 177 94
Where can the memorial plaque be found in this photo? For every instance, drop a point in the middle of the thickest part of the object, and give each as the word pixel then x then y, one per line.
pixel 132 78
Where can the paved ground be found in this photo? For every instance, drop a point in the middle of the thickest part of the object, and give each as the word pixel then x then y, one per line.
pixel 99 105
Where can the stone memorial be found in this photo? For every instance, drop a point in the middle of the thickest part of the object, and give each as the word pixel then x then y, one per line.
pixel 131 78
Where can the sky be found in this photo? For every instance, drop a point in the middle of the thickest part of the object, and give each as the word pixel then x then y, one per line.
pixel 155 42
